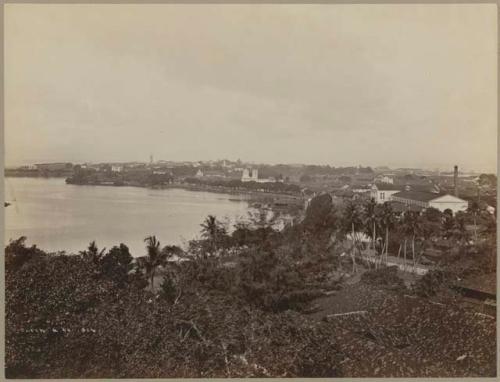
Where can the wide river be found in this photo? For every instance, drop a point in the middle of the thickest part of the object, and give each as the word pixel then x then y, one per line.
pixel 60 217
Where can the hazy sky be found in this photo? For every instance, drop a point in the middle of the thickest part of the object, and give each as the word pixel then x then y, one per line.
pixel 397 85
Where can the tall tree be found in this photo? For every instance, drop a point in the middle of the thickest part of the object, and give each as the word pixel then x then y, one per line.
pixel 117 263
pixel 431 226
pixel 352 221
pixel 214 232
pixel 409 226
pixel 416 231
pixel 474 211
pixel 92 253
pixel 448 224
pixel 371 219
pixel 460 231
pixel 155 258
pixel 320 214
pixel 387 223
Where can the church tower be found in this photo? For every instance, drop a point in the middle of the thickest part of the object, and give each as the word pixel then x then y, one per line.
pixel 255 174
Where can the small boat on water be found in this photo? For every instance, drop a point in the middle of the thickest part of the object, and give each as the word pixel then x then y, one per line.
pixel 6 204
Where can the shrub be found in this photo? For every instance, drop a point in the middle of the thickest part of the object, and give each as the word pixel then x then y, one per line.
pixel 167 289
pixel 386 277
pixel 430 283
pixel 16 253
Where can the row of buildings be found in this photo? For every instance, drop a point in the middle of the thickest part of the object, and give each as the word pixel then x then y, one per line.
pixel 417 192
pixel 252 175
pixel 247 175
pixel 418 198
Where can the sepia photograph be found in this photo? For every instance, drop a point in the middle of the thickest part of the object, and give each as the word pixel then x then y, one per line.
pixel 250 190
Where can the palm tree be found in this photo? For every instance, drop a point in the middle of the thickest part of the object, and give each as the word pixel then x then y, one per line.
pixel 432 220
pixel 209 227
pixel 460 232
pixel 155 258
pixel 448 224
pixel 371 219
pixel 387 222
pixel 173 250
pixel 474 210
pixel 416 230
pixel 213 231
pixel 92 253
pixel 352 221
pixel 411 227
pixel 407 230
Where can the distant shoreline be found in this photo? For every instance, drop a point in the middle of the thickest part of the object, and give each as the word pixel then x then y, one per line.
pixel 27 175
pixel 231 191
pixel 249 196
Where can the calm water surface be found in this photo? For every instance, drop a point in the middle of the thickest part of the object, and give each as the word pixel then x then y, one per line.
pixel 56 216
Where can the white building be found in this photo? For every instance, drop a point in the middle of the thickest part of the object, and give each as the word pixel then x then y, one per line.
pixel 250 175
pixel 384 179
pixel 449 202
pixel 116 168
pixel 361 189
pixel 199 173
pixel 441 202
pixel 382 192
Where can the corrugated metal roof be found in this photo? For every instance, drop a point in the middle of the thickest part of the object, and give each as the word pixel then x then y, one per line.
pixel 388 187
pixel 420 196
pixel 400 207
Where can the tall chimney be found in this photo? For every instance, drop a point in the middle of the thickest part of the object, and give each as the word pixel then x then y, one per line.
pixel 455 180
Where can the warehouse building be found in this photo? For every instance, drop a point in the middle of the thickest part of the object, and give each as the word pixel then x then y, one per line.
pixel 441 202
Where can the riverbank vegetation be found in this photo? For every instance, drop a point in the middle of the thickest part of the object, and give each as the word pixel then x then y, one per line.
pixel 312 300
pixel 147 178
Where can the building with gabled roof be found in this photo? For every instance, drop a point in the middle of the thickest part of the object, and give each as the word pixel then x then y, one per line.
pixel 422 199
pixel 382 192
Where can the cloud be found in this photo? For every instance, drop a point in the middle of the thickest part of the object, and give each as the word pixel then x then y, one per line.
pixel 280 83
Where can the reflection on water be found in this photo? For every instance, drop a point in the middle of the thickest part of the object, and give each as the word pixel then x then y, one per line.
pixel 57 216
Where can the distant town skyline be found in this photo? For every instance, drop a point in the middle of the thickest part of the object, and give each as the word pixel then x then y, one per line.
pixel 257 163
pixel 403 86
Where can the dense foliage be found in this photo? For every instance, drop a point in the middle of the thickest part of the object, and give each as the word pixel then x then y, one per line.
pixel 69 316
pixel 244 304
